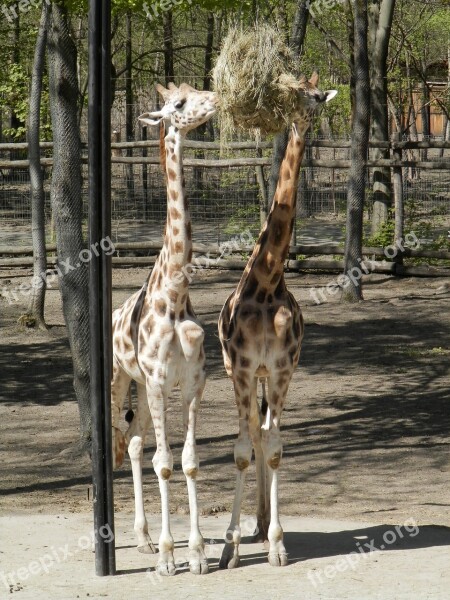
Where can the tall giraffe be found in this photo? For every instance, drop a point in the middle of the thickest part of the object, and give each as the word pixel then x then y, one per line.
pixel 260 329
pixel 158 342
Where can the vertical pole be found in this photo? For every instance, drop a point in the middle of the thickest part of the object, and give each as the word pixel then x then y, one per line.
pixel 145 175
pixel 398 201
pixel 100 281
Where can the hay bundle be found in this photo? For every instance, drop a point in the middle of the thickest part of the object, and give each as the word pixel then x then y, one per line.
pixel 254 79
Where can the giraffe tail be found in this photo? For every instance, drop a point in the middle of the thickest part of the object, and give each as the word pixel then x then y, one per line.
pixel 129 416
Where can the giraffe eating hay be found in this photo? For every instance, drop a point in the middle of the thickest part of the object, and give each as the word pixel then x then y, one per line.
pixel 260 329
pixel 158 342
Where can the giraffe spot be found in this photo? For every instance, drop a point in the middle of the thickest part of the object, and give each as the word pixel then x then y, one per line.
pixel 291 160
pixel 261 296
pixel 174 157
pixel 172 315
pixel 173 295
pixel 160 307
pixel 178 247
pixel 233 355
pixel 270 298
pixel 274 462
pixel 244 362
pixel 241 463
pixel 241 381
pixel 281 363
pixel 245 401
pixel 165 473
pixel 174 213
pixel 171 174
pixel 250 288
pixel 174 194
pixel 279 291
pixel 240 339
pixel 175 231
pixel 181 316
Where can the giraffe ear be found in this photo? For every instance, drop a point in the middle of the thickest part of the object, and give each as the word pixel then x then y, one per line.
pixel 163 92
pixel 330 94
pixel 314 79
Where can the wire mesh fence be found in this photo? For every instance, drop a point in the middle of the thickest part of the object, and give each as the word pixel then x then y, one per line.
pixel 227 199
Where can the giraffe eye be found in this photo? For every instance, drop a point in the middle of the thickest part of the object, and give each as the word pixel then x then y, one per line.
pixel 179 104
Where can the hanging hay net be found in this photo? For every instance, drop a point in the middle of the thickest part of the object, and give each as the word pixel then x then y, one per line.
pixel 254 79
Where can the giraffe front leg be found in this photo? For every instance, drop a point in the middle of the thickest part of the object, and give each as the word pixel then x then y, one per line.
pixel 135 438
pixel 242 458
pixel 163 466
pixel 198 563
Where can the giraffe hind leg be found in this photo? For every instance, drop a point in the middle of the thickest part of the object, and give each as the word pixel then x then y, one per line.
pixel 242 457
pixel 262 512
pixel 135 437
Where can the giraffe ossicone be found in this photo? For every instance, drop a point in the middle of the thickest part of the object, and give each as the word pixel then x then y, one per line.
pixel 261 329
pixel 158 341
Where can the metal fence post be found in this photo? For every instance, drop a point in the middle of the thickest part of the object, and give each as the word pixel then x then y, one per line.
pixel 100 280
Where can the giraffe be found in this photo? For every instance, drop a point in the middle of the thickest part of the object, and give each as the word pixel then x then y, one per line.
pixel 260 329
pixel 158 342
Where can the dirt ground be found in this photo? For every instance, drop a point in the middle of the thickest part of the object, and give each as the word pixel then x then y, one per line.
pixel 365 429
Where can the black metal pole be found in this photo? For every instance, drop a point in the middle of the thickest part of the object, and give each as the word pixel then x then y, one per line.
pixel 99 138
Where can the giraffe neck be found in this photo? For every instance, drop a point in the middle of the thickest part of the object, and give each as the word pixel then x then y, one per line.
pixel 170 270
pixel 272 247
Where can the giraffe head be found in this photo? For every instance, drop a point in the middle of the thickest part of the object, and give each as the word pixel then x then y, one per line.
pixel 185 108
pixel 312 101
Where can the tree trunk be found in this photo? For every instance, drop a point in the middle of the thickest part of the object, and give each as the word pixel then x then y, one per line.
pixel 129 121
pixel 425 110
pixel 352 292
pixel 280 142
pixel 66 203
pixel 412 119
pixel 199 133
pixel 168 47
pixel 382 14
pixel 35 312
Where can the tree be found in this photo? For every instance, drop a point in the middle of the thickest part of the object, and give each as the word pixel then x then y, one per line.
pixel 66 203
pixel 352 292
pixel 35 312
pixel 381 15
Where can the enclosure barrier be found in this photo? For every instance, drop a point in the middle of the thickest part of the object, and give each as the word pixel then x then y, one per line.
pixel 22 257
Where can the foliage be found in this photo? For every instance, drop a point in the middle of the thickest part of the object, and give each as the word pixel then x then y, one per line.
pixel 14 93
pixel 244 217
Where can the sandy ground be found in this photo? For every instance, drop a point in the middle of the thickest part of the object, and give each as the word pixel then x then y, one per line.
pixel 365 433
pixel 50 557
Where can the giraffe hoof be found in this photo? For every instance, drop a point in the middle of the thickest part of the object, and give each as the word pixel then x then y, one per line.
pixel 199 567
pixel 147 548
pixel 259 536
pixel 229 558
pixel 278 559
pixel 198 563
pixel 166 569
